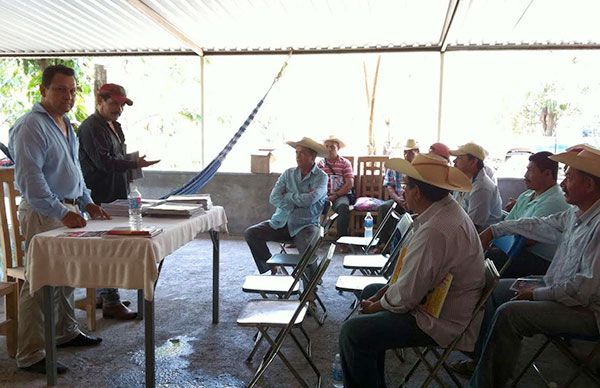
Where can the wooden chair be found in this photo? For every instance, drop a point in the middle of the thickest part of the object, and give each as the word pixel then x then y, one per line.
pixel 12 240
pixel 9 326
pixel 370 171
pixel 13 244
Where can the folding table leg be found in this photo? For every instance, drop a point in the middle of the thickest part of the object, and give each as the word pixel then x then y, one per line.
pixel 149 343
pixel 49 331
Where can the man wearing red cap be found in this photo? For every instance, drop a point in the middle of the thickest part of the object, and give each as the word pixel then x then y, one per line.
pixel 106 168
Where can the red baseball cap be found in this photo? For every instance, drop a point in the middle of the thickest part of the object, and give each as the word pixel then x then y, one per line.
pixel 440 149
pixel 116 92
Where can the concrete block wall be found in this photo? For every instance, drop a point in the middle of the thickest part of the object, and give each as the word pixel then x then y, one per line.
pixel 245 197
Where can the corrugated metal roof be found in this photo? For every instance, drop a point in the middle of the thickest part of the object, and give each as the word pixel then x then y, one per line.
pixel 96 27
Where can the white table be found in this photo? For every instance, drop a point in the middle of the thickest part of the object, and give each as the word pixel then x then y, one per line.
pixel 123 262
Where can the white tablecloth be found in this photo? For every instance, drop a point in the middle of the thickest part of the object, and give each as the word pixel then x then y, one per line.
pixel 123 262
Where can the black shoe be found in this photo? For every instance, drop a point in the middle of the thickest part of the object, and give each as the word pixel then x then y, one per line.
pixel 99 302
pixel 40 367
pixel 81 340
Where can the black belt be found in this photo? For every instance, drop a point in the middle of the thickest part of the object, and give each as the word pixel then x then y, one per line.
pixel 70 201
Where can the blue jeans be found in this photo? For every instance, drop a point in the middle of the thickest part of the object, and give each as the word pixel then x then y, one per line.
pixel 500 339
pixel 365 338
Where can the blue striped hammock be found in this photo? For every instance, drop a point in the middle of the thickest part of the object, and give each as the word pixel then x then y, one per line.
pixel 204 176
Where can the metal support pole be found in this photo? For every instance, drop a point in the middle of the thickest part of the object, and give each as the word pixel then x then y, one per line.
pixel 49 331
pixel 214 236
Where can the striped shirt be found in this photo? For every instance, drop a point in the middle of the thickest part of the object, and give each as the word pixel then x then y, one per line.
pixel 444 241
pixel 342 170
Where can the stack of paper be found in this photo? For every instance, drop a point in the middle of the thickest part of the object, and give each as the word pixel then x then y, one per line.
pixel 126 231
pixel 199 199
pixel 175 210
pixel 120 207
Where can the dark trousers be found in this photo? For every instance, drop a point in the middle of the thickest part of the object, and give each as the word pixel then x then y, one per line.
pixel 365 338
pixel 525 264
pixel 258 235
pixel 342 207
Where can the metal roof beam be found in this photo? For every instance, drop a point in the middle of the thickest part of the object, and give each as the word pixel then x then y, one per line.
pixel 452 7
pixel 161 21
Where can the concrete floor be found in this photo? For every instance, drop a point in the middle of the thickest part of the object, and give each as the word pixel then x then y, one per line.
pixel 192 352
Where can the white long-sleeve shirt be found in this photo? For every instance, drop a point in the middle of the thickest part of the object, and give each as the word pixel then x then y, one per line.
pixel 444 241
pixel 573 277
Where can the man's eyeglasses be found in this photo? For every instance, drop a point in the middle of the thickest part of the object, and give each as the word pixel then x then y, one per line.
pixel 63 90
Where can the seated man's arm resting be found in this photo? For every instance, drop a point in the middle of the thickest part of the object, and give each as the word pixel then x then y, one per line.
pixel 547 229
pixel 277 197
pixel 583 289
pixel 307 199
pixel 418 274
pixel 345 189
pixel 479 206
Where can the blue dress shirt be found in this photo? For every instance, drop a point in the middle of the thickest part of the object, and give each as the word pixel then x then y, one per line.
pixel 46 163
pixel 298 200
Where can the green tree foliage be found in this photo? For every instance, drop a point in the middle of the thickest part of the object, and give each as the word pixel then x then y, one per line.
pixel 20 80
pixel 541 112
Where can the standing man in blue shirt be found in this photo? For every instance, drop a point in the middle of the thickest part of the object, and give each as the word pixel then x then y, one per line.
pixel 298 196
pixel 47 172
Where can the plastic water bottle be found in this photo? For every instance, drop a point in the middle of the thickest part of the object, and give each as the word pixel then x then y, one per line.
pixel 135 208
pixel 336 372
pixel 368 225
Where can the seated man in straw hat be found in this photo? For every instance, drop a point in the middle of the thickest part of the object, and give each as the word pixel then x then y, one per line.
pixel 298 196
pixel 569 300
pixel 483 204
pixel 444 242
pixel 340 182
pixel 392 183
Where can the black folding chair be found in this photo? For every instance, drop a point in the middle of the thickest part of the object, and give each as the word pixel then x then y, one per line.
pixel 365 243
pixel 582 364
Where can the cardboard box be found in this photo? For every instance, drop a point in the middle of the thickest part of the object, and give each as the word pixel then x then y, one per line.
pixel 260 162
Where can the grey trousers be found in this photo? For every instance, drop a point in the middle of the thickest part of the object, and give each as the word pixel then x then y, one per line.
pixel 258 235
pixel 512 320
pixel 342 207
pixel 31 317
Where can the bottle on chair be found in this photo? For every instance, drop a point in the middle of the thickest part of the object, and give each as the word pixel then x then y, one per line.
pixel 368 224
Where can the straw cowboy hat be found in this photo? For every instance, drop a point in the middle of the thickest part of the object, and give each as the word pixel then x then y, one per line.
pixel 432 169
pixel 411 144
pixel 309 143
pixel 584 158
pixel 341 144
pixel 471 149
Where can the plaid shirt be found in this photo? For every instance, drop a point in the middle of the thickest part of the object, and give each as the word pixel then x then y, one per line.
pixel 394 179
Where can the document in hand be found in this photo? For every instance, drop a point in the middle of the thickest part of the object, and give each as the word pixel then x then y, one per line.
pixel 434 301
pixel 528 283
pixel 126 231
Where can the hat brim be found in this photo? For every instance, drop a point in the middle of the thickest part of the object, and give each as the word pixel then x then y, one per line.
pixel 579 162
pixel 122 99
pixel 341 144
pixel 311 144
pixel 457 181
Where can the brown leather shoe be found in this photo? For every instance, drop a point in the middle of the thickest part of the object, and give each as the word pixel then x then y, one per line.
pixel 120 312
